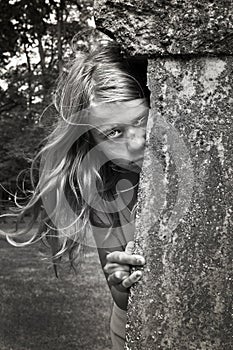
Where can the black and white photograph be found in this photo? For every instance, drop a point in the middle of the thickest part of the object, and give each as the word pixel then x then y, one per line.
pixel 116 124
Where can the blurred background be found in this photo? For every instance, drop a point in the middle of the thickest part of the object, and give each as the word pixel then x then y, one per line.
pixel 39 311
pixel 36 39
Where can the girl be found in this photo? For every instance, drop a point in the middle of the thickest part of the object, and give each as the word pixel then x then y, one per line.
pixel 90 169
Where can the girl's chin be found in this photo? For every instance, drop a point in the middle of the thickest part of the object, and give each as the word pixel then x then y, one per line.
pixel 130 166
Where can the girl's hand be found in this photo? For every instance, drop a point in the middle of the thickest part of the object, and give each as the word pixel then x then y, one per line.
pixel 118 267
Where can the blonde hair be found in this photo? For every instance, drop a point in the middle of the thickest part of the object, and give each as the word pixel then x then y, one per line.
pixel 103 75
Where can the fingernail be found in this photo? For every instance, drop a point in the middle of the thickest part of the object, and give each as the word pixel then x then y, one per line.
pixel 141 261
pixel 138 274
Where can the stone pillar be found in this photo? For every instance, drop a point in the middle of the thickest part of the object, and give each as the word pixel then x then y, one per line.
pixel 184 221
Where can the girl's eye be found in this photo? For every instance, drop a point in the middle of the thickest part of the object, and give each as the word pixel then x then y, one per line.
pixel 113 133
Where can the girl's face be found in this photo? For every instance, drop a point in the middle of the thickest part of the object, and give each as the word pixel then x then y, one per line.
pixel 120 130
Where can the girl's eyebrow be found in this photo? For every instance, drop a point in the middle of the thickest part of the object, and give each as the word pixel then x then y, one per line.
pixel 105 128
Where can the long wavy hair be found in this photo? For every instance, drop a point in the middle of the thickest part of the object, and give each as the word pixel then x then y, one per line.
pixel 71 178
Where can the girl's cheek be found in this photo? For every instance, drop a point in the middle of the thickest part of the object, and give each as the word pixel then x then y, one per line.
pixel 112 150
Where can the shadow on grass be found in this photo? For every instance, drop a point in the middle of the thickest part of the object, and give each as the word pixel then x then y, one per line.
pixel 40 312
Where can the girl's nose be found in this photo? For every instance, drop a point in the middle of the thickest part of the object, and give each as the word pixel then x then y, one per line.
pixel 135 138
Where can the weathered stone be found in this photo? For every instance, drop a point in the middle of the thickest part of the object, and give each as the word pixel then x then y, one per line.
pixel 163 27
pixel 184 229
pixel 184 220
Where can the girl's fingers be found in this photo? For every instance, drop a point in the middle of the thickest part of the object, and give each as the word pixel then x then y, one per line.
pixel 125 258
pixel 123 279
pixel 117 277
pixel 129 248
pixel 113 267
pixel 134 277
pixel 118 267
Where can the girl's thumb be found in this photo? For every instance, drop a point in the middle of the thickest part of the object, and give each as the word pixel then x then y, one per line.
pixel 130 247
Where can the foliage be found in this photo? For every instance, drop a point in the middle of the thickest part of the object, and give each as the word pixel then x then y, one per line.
pixel 36 38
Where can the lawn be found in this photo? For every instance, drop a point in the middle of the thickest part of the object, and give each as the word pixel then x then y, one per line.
pixel 41 312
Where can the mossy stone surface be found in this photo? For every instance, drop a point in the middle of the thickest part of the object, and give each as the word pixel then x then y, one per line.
pixel 184 220
pixel 168 27
pixel 184 226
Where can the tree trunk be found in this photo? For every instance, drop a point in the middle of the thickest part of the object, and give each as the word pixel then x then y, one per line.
pixel 60 33
pixel 43 65
pixel 29 80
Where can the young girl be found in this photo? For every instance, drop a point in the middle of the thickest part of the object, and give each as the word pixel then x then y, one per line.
pixel 90 168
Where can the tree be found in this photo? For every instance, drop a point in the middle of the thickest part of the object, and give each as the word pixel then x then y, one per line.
pixel 35 40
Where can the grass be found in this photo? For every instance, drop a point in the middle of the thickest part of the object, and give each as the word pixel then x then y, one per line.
pixel 40 312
